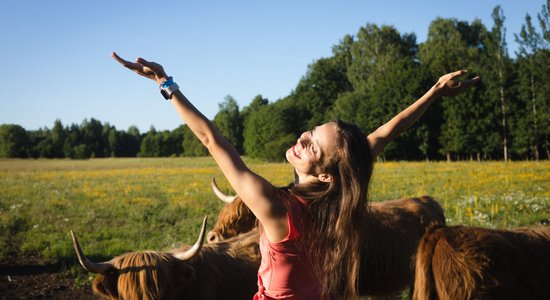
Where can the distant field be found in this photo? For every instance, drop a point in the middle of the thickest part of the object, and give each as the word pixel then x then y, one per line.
pixel 117 205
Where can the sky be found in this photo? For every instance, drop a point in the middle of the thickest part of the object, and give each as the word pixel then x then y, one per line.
pixel 57 60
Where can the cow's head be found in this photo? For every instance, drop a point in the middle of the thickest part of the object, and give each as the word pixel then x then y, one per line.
pixel 142 274
pixel 234 218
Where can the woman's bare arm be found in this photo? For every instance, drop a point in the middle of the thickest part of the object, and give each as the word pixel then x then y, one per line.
pixel 447 85
pixel 257 193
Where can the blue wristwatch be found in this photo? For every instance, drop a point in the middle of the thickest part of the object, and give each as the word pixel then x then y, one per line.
pixel 168 88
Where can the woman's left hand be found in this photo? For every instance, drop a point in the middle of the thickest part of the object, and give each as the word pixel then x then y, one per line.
pixel 144 68
pixel 448 85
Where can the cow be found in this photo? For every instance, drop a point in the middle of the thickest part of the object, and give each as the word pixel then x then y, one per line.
pixel 233 218
pixel 392 233
pixel 460 262
pixel 226 270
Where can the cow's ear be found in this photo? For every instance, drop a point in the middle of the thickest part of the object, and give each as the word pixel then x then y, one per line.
pixel 105 285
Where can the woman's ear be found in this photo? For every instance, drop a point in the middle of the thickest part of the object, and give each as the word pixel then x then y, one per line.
pixel 324 177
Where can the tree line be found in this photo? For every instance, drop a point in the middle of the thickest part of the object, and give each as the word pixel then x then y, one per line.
pixel 369 78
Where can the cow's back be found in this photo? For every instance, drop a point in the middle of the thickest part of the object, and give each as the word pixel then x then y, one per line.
pixel 392 234
pixel 478 263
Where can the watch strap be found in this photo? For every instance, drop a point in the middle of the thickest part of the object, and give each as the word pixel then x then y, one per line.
pixel 168 90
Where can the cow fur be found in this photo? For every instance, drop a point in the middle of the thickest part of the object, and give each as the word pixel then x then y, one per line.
pixel 233 219
pixel 461 262
pixel 392 234
pixel 226 270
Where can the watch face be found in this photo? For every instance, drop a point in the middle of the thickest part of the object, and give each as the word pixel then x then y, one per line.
pixel 165 94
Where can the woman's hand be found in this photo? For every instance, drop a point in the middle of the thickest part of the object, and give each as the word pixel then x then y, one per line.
pixel 144 68
pixel 448 85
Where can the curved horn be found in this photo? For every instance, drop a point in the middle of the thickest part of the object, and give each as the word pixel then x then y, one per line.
pixel 196 247
pixel 88 265
pixel 225 198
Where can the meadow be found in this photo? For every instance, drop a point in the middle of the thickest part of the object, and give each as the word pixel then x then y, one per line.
pixel 118 205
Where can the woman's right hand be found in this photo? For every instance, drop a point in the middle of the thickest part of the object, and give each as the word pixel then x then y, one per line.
pixel 144 68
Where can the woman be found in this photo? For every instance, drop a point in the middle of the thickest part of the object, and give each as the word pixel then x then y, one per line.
pixel 310 233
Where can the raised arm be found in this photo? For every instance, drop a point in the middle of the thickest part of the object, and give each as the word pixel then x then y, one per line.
pixel 447 85
pixel 257 193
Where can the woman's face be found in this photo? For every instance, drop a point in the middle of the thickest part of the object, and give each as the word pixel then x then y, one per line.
pixel 310 148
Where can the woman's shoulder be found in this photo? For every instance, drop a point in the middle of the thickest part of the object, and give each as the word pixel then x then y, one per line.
pixel 291 201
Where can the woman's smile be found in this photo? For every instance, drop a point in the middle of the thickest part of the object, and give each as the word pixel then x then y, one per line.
pixel 294 152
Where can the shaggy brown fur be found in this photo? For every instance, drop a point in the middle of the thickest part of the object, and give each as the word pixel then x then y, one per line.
pixel 478 263
pixel 226 270
pixel 233 219
pixel 392 235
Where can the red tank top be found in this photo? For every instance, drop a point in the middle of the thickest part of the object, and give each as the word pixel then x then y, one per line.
pixel 285 271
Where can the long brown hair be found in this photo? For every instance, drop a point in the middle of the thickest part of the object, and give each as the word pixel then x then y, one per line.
pixel 337 212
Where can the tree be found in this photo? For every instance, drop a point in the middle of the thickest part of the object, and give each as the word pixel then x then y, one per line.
pixel 57 136
pixel 499 37
pixel 44 147
pixel 530 62
pixel 453 45
pixel 385 77
pixel 94 137
pixel 128 142
pixel 544 56
pixel 544 20
pixel 229 122
pixel 14 141
pixel 150 146
pixel 192 146
pixel 325 80
pixel 495 65
pixel 73 146
pixel 113 140
pixel 170 143
pixel 50 143
pixel 375 50
pixel 269 132
pixel 35 137
pixel 257 103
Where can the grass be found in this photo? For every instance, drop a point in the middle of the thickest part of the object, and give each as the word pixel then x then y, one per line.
pixel 119 205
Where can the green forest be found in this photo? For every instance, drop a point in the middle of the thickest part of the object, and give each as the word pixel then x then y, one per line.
pixel 370 77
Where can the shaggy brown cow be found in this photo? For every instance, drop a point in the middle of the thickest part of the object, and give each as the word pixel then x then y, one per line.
pixel 392 234
pixel 461 262
pixel 233 219
pixel 226 270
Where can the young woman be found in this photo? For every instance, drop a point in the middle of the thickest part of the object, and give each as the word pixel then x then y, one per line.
pixel 310 233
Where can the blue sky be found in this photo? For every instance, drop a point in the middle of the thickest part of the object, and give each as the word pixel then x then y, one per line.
pixel 57 64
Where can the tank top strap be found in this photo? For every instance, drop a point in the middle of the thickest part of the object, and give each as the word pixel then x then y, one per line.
pixel 296 207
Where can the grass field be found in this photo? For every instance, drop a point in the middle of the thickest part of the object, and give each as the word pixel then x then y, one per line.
pixel 118 205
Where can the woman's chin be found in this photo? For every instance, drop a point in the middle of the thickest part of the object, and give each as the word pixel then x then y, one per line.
pixel 289 156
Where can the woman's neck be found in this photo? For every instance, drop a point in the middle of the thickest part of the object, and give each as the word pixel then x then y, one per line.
pixel 304 178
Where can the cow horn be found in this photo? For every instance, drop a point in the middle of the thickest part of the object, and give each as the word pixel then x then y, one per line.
pixel 99 268
pixel 196 247
pixel 225 198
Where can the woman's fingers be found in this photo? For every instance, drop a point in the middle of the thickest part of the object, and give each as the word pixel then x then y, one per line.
pixel 475 79
pixel 450 85
pixel 458 73
pixel 117 58
pixel 130 65
pixel 153 66
pixel 127 64
pixel 137 66
pixel 462 86
pixel 469 82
